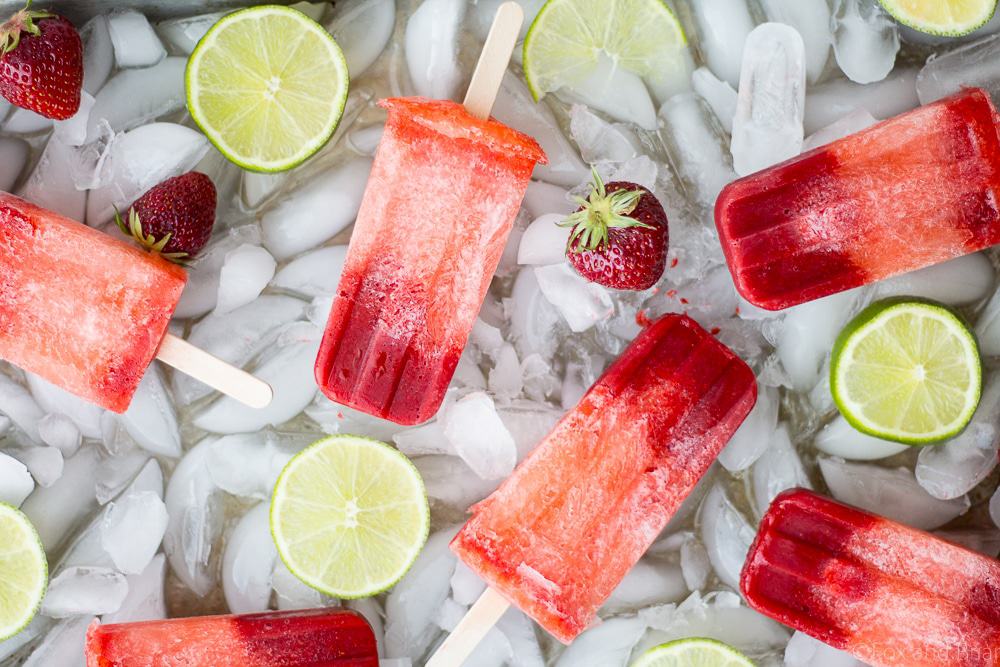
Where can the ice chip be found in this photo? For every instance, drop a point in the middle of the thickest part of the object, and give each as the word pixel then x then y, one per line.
pixel 246 271
pixel 248 561
pixel 754 435
pixel 151 419
pixel 98 53
pixel 646 584
pixel 811 18
pixel 362 28
pixel 778 469
pixel 59 431
pixel 719 95
pixel 839 438
pixel 616 91
pixel 599 140
pixel 133 97
pixel 698 145
pixel 836 98
pixel 84 590
pixel 723 26
pixel 134 40
pixel 971 65
pixel 431 44
pixel 479 436
pixel 132 529
pixel 145 601
pixel 313 274
pixel 855 121
pixel 726 535
pixel 44 463
pixel 865 40
pixel 581 302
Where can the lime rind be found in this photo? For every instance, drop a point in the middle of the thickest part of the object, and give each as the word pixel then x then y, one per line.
pixel 693 652
pixel 644 47
pixel 352 551
pixel 273 128
pixel 883 319
pixel 898 10
pixel 28 565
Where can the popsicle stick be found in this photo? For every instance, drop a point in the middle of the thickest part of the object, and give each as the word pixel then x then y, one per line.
pixel 493 60
pixel 482 616
pixel 214 372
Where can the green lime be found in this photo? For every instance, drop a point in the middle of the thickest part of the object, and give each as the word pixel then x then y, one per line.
pixel 567 38
pixel 267 85
pixel 948 18
pixel 349 516
pixel 24 572
pixel 693 652
pixel 907 371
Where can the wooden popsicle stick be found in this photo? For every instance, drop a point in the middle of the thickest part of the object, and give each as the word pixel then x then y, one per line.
pixel 482 616
pixel 214 372
pixel 493 60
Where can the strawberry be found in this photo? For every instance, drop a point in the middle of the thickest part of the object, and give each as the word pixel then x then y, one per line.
pixel 41 66
pixel 174 218
pixel 619 236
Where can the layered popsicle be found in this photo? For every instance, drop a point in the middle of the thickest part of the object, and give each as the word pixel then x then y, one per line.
pixel 317 638
pixel 886 593
pixel 441 200
pixel 560 534
pixel 81 309
pixel 913 191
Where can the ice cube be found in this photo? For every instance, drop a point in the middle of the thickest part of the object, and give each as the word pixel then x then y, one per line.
pixel 726 534
pixel 970 65
pixel 362 28
pixel 754 434
pixel 599 140
pixel 151 419
pixel 451 481
pixel 767 128
pixel 479 437
pixel 291 592
pixel 140 159
pixel 723 26
pixel 778 469
pixel 893 493
pixel 315 273
pixel 483 12
pixel 56 400
pixel 330 201
pixel 865 40
pixel 616 91
pixel 61 646
pixel 44 463
pixel 804 651
pixel 73 130
pixel 248 464
pixel 134 97
pixel 581 302
pixel 719 95
pixel 431 45
pixel 145 601
pixel 202 288
pixel 839 438
pixel 423 440
pixel 23 121
pixel 695 564
pixel 98 53
pixel 541 198
pixel 957 282
pixel 13 159
pixel 608 643
pixel 808 333
pixel 466 586
pixel 117 472
pixel 248 561
pixel 60 432
pixel 364 141
pixel 506 379
pixel 836 98
pixel 987 327
pixel 132 529
pixel 855 121
pixel 12 646
pixel 183 34
pixel 335 418
pixel 134 40
pixel 699 147
pixel 16 483
pixel 517 108
pixel 51 184
pixel 84 590
pixel 246 271
pixel 811 18
pixel 646 584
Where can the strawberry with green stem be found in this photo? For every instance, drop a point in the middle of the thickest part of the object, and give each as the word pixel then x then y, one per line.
pixel 619 236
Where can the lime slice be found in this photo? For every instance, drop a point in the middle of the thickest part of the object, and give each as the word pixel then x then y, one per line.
pixel 566 39
pixel 694 652
pixel 267 85
pixel 948 18
pixel 23 571
pixel 907 371
pixel 349 516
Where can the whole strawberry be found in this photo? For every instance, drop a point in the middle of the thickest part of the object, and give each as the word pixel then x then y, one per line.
pixel 174 218
pixel 41 66
pixel 619 236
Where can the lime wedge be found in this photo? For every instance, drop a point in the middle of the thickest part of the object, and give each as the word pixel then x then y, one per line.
pixel 694 652
pixel 568 37
pixel 23 571
pixel 948 18
pixel 349 516
pixel 267 85
pixel 907 371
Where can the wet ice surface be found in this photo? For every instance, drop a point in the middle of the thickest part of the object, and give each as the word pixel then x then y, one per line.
pixel 162 511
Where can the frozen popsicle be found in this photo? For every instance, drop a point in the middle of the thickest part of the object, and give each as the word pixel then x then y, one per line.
pixel 443 193
pixel 88 312
pixel 913 191
pixel 888 594
pixel 559 535
pixel 317 638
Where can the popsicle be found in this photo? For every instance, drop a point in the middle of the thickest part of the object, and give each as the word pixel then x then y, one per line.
pixel 913 191
pixel 888 594
pixel 560 534
pixel 316 637
pixel 441 199
pixel 89 313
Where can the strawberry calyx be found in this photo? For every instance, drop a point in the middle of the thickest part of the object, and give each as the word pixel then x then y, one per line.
pixel 599 213
pixel 148 241
pixel 22 21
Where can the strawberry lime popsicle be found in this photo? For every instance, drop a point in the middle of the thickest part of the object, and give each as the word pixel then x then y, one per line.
pixel 441 200
pixel 888 594
pixel 560 534
pixel 317 638
pixel 82 310
pixel 910 192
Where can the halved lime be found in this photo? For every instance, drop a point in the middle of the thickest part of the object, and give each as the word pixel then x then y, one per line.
pixel 948 18
pixel 908 371
pixel 349 516
pixel 566 39
pixel 693 652
pixel 24 572
pixel 268 86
